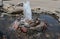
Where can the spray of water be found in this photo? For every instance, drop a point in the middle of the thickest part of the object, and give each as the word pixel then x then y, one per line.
pixel 27 15
pixel 27 10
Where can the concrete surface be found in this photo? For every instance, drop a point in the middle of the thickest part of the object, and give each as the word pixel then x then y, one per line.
pixel 44 4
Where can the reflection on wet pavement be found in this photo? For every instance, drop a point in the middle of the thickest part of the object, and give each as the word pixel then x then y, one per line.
pixel 53 27
pixel 52 32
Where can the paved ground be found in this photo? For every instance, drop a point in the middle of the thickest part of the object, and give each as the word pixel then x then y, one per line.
pixel 44 4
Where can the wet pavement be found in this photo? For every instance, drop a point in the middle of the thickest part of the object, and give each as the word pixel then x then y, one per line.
pixel 53 29
pixel 52 32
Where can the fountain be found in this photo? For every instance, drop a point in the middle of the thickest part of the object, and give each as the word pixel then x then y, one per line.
pixel 27 10
pixel 27 21
pixel 27 16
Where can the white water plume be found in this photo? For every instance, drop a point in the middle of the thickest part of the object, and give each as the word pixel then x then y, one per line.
pixel 27 10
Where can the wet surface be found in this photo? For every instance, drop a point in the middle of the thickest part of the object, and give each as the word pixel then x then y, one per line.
pixel 52 32
pixel 53 24
pixel 53 27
